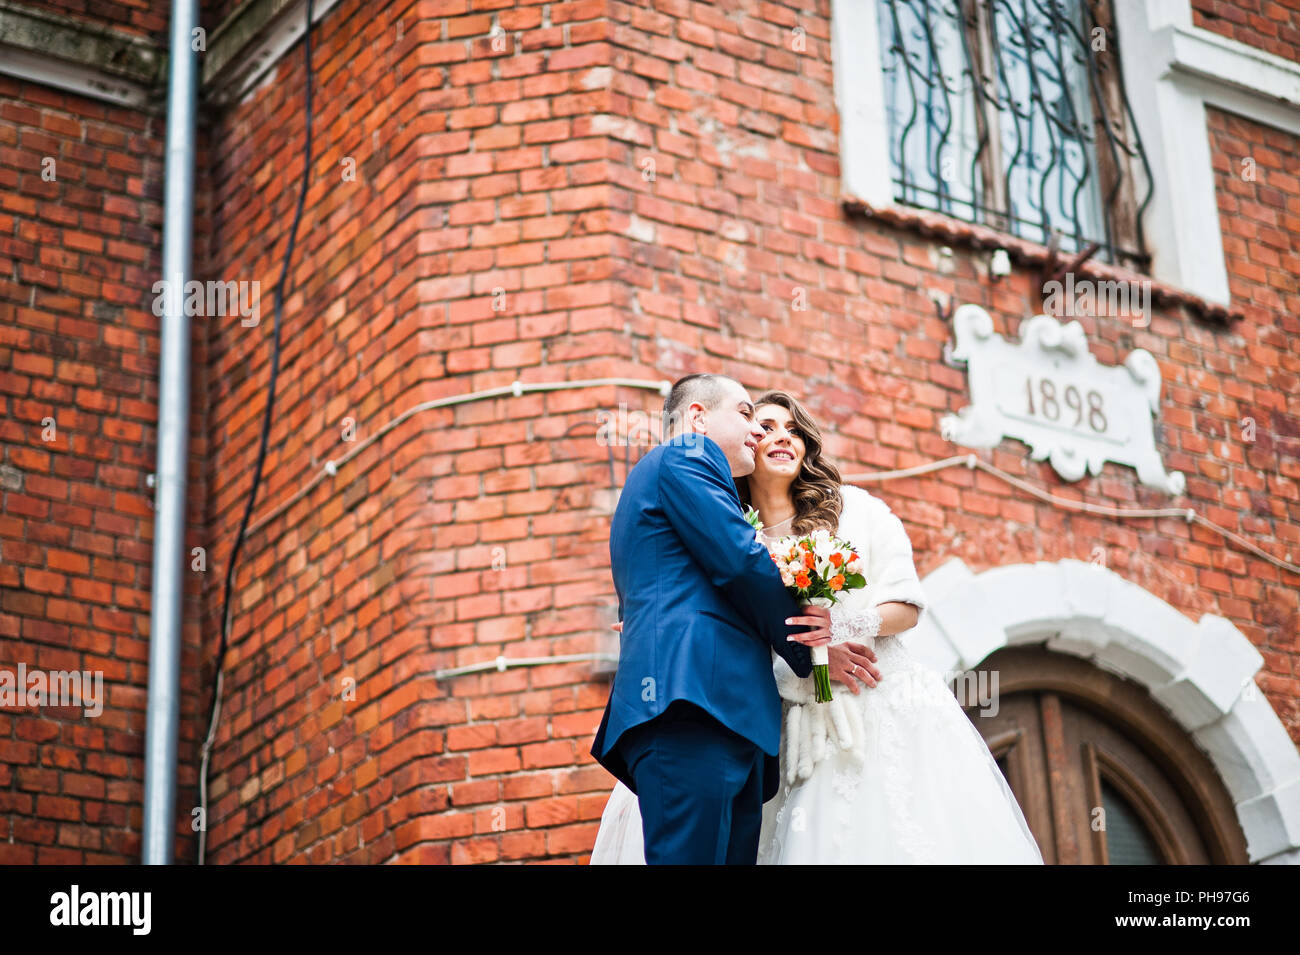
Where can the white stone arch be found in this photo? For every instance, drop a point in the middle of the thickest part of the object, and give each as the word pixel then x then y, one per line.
pixel 1202 672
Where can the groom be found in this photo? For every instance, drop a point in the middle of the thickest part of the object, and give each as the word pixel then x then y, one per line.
pixel 693 723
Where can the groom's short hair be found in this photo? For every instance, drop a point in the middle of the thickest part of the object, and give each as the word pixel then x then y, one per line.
pixel 707 389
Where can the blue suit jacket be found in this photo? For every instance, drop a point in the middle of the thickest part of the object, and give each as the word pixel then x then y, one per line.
pixel 701 602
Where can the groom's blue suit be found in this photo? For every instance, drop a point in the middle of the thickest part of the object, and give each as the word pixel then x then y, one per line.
pixel 693 724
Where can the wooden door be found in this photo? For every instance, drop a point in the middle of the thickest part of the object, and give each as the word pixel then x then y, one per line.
pixel 1102 773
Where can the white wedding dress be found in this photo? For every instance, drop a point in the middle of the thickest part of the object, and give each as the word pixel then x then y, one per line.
pixel 895 774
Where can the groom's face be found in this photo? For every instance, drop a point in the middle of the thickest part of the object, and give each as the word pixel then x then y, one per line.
pixel 733 427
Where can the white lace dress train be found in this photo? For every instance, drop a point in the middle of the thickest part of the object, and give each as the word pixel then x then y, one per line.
pixel 917 784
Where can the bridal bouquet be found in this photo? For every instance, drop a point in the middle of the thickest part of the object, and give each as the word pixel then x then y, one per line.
pixel 817 569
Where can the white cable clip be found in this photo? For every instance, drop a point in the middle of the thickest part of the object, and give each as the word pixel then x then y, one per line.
pixel 1190 515
pixel 517 387
pixel 970 460
pixel 501 661
pixel 331 468
pixel 665 387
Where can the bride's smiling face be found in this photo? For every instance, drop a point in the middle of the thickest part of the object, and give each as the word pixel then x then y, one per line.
pixel 781 451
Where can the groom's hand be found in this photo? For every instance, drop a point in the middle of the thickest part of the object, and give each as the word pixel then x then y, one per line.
pixel 851 662
pixel 819 618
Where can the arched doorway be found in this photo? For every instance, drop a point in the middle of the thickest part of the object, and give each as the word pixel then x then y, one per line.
pixel 1198 675
pixel 1103 775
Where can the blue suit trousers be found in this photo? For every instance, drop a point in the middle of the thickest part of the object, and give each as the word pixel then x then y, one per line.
pixel 700 788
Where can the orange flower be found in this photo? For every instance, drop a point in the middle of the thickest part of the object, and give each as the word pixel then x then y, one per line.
pixel 809 561
pixel 836 582
pixel 801 580
pixel 837 558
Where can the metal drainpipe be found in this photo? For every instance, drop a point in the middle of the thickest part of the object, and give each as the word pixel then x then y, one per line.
pixel 163 715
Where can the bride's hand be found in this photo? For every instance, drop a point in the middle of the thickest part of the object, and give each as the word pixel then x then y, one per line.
pixel 816 617
pixel 850 662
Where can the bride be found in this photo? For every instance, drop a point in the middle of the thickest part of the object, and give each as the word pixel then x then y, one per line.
pixel 895 773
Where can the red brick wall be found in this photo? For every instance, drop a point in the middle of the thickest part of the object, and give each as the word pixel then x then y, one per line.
pixel 479 529
pixel 79 344
pixel 147 18
pixel 482 175
pixel 743 210
pixel 1263 24
pixel 495 767
pixel 1255 375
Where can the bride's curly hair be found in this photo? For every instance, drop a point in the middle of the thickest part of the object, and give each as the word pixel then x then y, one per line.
pixel 816 488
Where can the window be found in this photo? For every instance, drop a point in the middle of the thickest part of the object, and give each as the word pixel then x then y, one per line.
pixel 1128 842
pixel 1012 113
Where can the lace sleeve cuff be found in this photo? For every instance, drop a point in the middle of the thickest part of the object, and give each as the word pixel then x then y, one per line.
pixel 854 626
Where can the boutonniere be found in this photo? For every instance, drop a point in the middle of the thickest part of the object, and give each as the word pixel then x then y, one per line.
pixel 751 515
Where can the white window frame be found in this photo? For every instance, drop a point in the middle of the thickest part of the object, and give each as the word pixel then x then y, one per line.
pixel 1172 71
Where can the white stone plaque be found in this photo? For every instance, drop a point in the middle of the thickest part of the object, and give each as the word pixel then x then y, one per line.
pixel 1049 391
